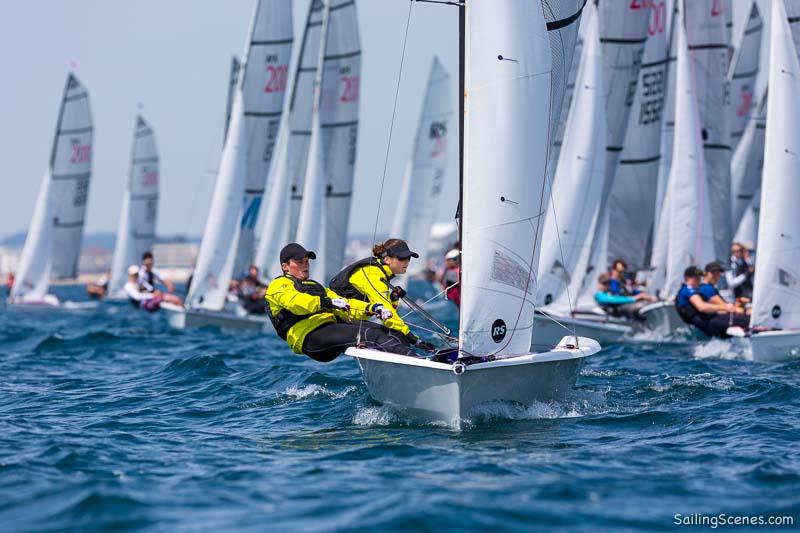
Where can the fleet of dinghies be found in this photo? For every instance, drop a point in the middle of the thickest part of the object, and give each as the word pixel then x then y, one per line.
pixel 645 136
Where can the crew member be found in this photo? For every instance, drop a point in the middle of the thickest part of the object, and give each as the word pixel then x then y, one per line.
pixel 711 318
pixel 317 321
pixel 149 300
pixel 621 305
pixel 368 280
pixel 451 276
pixel 149 278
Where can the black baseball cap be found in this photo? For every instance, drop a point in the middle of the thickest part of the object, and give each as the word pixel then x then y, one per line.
pixel 715 266
pixel 401 251
pixel 295 251
pixel 693 272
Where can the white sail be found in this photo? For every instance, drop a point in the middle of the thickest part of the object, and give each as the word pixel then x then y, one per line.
pixel 214 268
pixel 264 76
pixel 623 33
pixel 667 133
pixel 233 82
pixel 137 220
pixel 503 180
pixel 275 223
pixel 53 243
pixel 572 213
pixel 747 232
pixel 690 233
pixel 71 166
pixel 341 87
pixel 776 290
pixel 33 275
pixel 300 110
pixel 742 74
pixel 422 184
pixel 708 44
pixel 747 163
pixel 633 194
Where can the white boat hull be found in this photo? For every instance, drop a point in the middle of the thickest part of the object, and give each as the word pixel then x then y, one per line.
pixel 49 303
pixel 663 318
pixel 547 333
pixel 773 346
pixel 434 391
pixel 181 318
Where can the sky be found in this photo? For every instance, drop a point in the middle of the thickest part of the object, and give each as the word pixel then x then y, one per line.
pixel 170 60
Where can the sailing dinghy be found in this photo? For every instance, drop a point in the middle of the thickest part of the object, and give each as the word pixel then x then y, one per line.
pixel 257 101
pixel 776 290
pixel 53 244
pixel 137 220
pixel 505 77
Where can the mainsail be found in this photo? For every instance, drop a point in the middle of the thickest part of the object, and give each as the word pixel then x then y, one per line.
pixel 233 82
pixel 708 45
pixel 54 237
pixel 578 180
pixel 422 183
pixel 776 290
pixel 747 163
pixel 507 83
pixel 137 220
pixel 263 81
pixel 633 194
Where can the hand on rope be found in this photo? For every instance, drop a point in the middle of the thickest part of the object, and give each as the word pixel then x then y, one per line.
pixel 397 293
pixel 419 343
pixel 329 304
pixel 381 312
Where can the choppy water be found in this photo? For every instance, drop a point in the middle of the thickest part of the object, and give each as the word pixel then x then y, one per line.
pixel 109 419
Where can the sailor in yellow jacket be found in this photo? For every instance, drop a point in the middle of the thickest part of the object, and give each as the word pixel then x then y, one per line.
pixel 367 280
pixel 318 322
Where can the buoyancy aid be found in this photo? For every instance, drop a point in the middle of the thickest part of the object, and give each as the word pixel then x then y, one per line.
pixel 285 319
pixel 341 285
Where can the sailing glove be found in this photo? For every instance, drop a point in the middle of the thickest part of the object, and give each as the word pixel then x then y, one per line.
pixel 328 304
pixel 381 312
pixel 397 293
pixel 419 343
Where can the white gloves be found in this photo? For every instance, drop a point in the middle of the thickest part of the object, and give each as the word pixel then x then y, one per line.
pixel 340 303
pixel 381 312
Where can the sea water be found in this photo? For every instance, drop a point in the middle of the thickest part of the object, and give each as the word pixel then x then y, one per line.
pixel 110 419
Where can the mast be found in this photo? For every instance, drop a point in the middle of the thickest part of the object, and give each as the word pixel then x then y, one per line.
pixel 462 45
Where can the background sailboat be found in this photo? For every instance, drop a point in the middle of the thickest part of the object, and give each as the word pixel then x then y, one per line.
pixel 255 113
pixel 53 243
pixel 422 183
pixel 137 220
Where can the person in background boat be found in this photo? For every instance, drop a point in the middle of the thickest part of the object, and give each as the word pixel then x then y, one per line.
pixel 369 279
pixel 148 300
pixel 711 318
pixel 620 283
pixel 740 275
pixel 9 281
pixel 316 321
pixel 251 291
pixel 708 286
pixel 451 275
pixel 99 289
pixel 150 278
pixel 620 305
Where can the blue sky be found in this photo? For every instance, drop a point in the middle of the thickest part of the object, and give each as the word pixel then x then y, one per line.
pixel 173 58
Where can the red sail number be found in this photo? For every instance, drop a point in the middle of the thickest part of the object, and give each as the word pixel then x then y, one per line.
pixel 349 88
pixel 277 78
pixel 80 153
pixel 717 8
pixel 747 102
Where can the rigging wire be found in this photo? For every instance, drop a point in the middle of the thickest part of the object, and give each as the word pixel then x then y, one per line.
pixel 389 142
